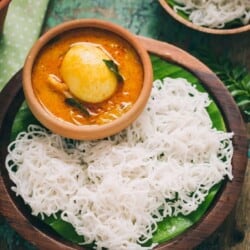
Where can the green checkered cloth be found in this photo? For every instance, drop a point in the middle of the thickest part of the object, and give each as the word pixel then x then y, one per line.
pixel 22 28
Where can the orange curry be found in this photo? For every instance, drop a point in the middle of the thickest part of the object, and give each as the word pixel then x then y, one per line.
pixel 49 62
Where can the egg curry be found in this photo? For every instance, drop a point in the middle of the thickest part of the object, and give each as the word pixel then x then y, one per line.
pixel 87 76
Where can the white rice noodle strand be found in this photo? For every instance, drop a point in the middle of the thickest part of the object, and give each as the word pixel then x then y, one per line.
pixel 215 13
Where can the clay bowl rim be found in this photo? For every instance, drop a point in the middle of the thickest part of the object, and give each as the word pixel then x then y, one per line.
pixel 196 27
pixel 87 132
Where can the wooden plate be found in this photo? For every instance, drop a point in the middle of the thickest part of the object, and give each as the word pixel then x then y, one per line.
pixel 191 25
pixel 43 237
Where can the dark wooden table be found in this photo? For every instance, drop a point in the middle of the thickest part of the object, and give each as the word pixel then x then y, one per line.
pixel 147 18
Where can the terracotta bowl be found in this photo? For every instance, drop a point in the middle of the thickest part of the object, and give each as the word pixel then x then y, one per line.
pixel 191 25
pixel 87 132
pixel 4 5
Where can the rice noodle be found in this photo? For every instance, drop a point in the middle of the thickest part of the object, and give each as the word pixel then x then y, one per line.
pixel 215 13
pixel 114 191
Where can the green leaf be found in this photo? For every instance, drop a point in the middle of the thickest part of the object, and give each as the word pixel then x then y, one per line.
pixel 238 92
pixel 238 71
pixel 75 103
pixel 246 82
pixel 244 102
pixel 235 77
pixel 183 14
pixel 23 118
pixel 174 226
pixel 231 87
pixel 162 69
pixel 114 68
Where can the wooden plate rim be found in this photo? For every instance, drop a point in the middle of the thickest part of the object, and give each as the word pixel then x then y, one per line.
pixel 27 225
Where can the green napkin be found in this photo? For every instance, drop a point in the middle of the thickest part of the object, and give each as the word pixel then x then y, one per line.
pixel 22 28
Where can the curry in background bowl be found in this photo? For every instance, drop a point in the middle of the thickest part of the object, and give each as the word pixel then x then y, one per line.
pixel 87 79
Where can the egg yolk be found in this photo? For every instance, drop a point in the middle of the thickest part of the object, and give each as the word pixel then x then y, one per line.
pixel 85 73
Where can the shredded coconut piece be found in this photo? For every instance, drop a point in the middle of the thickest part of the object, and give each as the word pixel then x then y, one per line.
pixel 114 191
pixel 215 13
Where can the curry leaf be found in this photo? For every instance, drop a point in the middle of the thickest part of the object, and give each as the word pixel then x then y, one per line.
pixel 237 92
pixel 244 102
pixel 235 77
pixel 63 228
pixel 114 68
pixel 22 120
pixel 74 103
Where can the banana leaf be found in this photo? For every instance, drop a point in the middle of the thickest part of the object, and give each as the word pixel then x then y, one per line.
pixel 172 226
